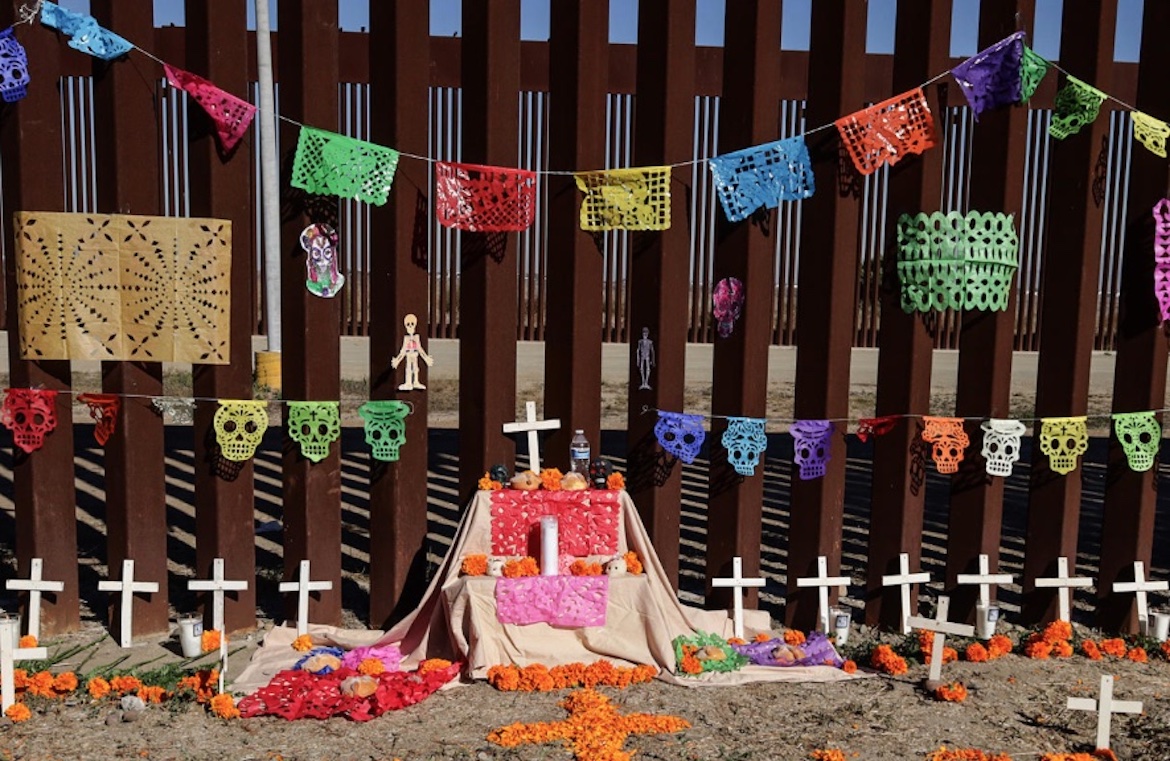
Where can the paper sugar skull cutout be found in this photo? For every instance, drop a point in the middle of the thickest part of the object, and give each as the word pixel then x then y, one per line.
pixel 103 408
pixel 813 445
pixel 949 440
pixel 314 425
pixel 495 566
pixel 1064 439
pixel 322 276
pixel 599 471
pixel 728 298
pixel 386 428
pixel 1077 104
pixel 13 67
pixel 1032 70
pixel 1150 132
pixel 30 413
pixel 616 566
pixel 239 428
pixel 744 441
pixel 1001 445
pixel 1140 435
pixel 680 435
pixel 411 350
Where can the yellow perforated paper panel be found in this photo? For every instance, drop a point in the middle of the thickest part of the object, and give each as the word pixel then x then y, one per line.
pixel 626 199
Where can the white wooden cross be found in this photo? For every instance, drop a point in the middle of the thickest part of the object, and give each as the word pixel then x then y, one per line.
pixel 34 585
pixel 1063 584
pixel 127 586
pixel 302 586
pixel 531 426
pixel 737 582
pixel 1105 708
pixel 823 581
pixel 1139 586
pixel 941 627
pixel 9 653
pixel 904 579
pixel 217 586
pixel 985 579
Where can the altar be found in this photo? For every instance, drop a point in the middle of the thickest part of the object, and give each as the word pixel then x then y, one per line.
pixel 459 617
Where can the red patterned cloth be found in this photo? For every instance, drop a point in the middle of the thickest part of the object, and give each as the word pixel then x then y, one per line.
pixel 484 198
pixel 232 115
pixel 587 521
pixel 299 694
pixel 887 131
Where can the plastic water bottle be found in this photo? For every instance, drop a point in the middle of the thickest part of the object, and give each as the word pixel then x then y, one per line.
pixel 579 453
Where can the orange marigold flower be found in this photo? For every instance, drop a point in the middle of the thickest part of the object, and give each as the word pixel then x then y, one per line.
pixel 303 643
pixel 966 754
pixel 794 637
pixel 20 679
pixel 536 678
pixel 487 484
pixel 644 673
pixel 1062 649
pixel 371 666
pixel 550 479
pixel 124 684
pixel 849 667
pixel 581 567
pixel 762 637
pixel 736 641
pixel 18 712
pixel 633 562
pixel 223 706
pixel 1090 649
pixel 1038 649
pixel 27 640
pixel 514 569
pixel 1057 631
pixel 210 640
pixel 1115 647
pixel 1137 655
pixel 998 646
pixel 976 653
pixel 691 665
pixel 885 659
pixel 504 678
pixel 97 687
pixel 432 664
pixel 615 481
pixel 827 754
pixel 1166 649
pixel 474 565
pixel 152 694
pixel 41 684
pixel 65 682
pixel 956 692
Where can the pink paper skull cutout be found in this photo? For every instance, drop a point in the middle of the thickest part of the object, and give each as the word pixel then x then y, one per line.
pixel 728 299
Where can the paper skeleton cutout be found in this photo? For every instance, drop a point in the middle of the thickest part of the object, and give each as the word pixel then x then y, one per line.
pixel 645 357
pixel 412 349
pixel 323 278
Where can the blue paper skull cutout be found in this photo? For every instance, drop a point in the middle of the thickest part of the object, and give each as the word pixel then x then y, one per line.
pixel 13 67
pixel 744 441
pixel 681 435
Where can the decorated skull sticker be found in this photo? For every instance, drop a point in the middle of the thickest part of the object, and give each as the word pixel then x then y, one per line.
pixel 1001 445
pixel 728 301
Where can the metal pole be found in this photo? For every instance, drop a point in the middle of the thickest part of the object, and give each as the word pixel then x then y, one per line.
pixel 269 177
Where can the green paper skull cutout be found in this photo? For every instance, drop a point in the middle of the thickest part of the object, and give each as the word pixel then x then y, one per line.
pixel 385 427
pixel 314 425
pixel 1140 434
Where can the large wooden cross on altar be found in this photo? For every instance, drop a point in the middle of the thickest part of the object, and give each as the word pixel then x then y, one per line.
pixel 530 426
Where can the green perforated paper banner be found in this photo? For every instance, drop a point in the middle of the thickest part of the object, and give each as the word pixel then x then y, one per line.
pixel 956 261
pixel 330 164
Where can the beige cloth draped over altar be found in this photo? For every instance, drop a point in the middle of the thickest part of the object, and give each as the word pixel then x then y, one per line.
pixel 457 621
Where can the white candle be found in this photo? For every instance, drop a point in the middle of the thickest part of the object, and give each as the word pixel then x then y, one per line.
pixel 842 617
pixel 549 546
pixel 986 618
pixel 1161 625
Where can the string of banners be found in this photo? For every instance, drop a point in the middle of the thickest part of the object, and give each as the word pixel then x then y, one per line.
pixel 479 198
pixel 239 424
pixel 1062 439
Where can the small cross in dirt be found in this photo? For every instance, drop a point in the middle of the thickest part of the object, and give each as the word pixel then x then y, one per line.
pixel 34 585
pixel 905 579
pixel 530 426
pixel 1064 584
pixel 941 627
pixel 985 579
pixel 217 586
pixel 1139 586
pixel 822 581
pixel 302 586
pixel 127 586
pixel 1105 707
pixel 10 653
pixel 737 582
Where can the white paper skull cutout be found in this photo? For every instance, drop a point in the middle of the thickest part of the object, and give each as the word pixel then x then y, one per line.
pixel 1064 439
pixel 616 566
pixel 1001 445
pixel 495 566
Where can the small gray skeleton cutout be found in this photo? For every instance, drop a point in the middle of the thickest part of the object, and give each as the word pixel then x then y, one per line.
pixel 645 357
pixel 412 349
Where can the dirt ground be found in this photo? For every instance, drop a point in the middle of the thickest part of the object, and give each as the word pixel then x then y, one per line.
pixel 1016 705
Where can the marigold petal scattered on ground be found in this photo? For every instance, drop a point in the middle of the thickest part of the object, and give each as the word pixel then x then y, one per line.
pixel 18 712
pixel 827 754
pixel 849 667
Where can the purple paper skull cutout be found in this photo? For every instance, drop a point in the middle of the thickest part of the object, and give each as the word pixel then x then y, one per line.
pixel 13 67
pixel 813 446
pixel 680 435
pixel 728 300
